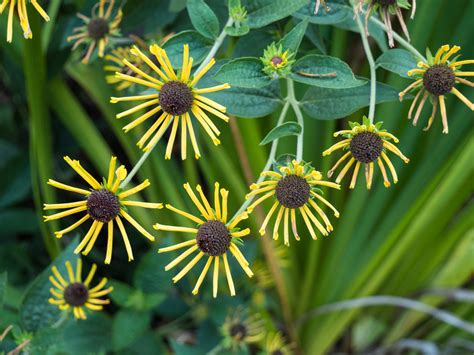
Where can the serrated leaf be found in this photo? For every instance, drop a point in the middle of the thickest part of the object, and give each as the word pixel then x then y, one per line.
pixel 203 18
pixel 35 311
pixel 283 130
pixel 331 104
pixel 244 73
pixel 199 46
pixel 292 40
pixel 128 326
pixel 339 12
pixel 242 30
pixel 324 71
pixel 263 12
pixel 398 61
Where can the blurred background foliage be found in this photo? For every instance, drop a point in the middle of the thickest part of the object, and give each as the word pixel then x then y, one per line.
pixel 408 241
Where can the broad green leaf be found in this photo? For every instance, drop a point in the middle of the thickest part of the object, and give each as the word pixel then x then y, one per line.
pixel 314 35
pixel 90 336
pixel 375 31
pixel 242 30
pixel 244 73
pixel 121 294
pixel 284 130
pixel 203 18
pixel 324 71
pixel 3 287
pixel 147 15
pixel 331 104
pixel 339 11
pixel 150 275
pixel 263 12
pixel 199 46
pixel 36 312
pixel 18 221
pixel 292 40
pixel 128 325
pixel 398 61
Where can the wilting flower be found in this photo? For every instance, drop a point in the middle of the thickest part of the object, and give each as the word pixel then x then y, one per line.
pixel 276 344
pixel 22 15
pixel 386 8
pixel 293 189
pixel 365 144
pixel 240 329
pixel 436 78
pixel 214 236
pixel 104 203
pixel 97 29
pixel 277 63
pixel 75 294
pixel 318 4
pixel 176 96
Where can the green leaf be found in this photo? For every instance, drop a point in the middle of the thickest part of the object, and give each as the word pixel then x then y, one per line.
pixel 263 12
pixel 398 61
pixel 199 46
pixel 324 71
pixel 339 12
pixel 18 221
pixel 35 311
pixel 375 31
pixel 242 30
pixel 3 287
pixel 244 73
pixel 121 294
pixel 292 40
pixel 331 104
pixel 150 275
pixel 203 18
pixel 128 325
pixel 284 130
pixel 90 336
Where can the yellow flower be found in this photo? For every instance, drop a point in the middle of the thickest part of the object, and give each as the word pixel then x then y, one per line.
pixel 366 144
pixel 76 294
pixel 214 237
pixel 97 29
pixel 293 189
pixel 174 95
pixel 275 344
pixel 23 16
pixel 436 78
pixel 115 64
pixel 103 203
pixel 240 328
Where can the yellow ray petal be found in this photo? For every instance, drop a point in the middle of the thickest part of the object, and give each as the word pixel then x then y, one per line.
pixel 229 275
pixel 67 187
pixel 126 241
pixel 137 226
pixel 90 275
pixel 188 267
pixel 177 246
pixel 65 213
pixel 181 257
pixel 215 278
pixel 134 190
pixel 202 275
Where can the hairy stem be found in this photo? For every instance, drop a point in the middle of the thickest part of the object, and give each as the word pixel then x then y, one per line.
pixel 370 59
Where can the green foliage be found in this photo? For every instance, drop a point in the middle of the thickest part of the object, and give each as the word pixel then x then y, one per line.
pixel 263 12
pixel 283 130
pixel 398 61
pixel 244 73
pixel 203 18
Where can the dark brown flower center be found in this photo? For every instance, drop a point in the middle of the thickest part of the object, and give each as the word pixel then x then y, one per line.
pixel 76 294
pixel 276 60
pixel 98 28
pixel 386 2
pixel 238 331
pixel 366 147
pixel 213 238
pixel 292 191
pixel 175 98
pixel 439 79
pixel 103 205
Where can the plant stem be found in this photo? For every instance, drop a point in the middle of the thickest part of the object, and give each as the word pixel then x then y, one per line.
pixel 399 39
pixel 299 116
pixel 216 46
pixel 53 10
pixel 270 160
pixel 370 59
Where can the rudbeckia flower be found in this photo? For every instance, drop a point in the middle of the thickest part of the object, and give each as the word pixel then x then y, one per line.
pixel 277 63
pixel 240 329
pixel 22 15
pixel 293 189
pixel 435 78
pixel 115 64
pixel 97 30
pixel 214 237
pixel 74 295
pixel 365 144
pixel 104 203
pixel 175 96
pixel 276 344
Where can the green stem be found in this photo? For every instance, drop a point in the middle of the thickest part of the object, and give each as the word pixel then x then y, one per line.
pixel 370 59
pixel 299 116
pixel 53 10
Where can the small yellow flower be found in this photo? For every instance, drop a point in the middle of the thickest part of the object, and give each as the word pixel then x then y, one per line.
pixel 97 29
pixel 276 344
pixel 23 16
pixel 103 203
pixel 366 144
pixel 214 237
pixel 293 189
pixel 174 95
pixel 240 328
pixel 75 295
pixel 436 78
